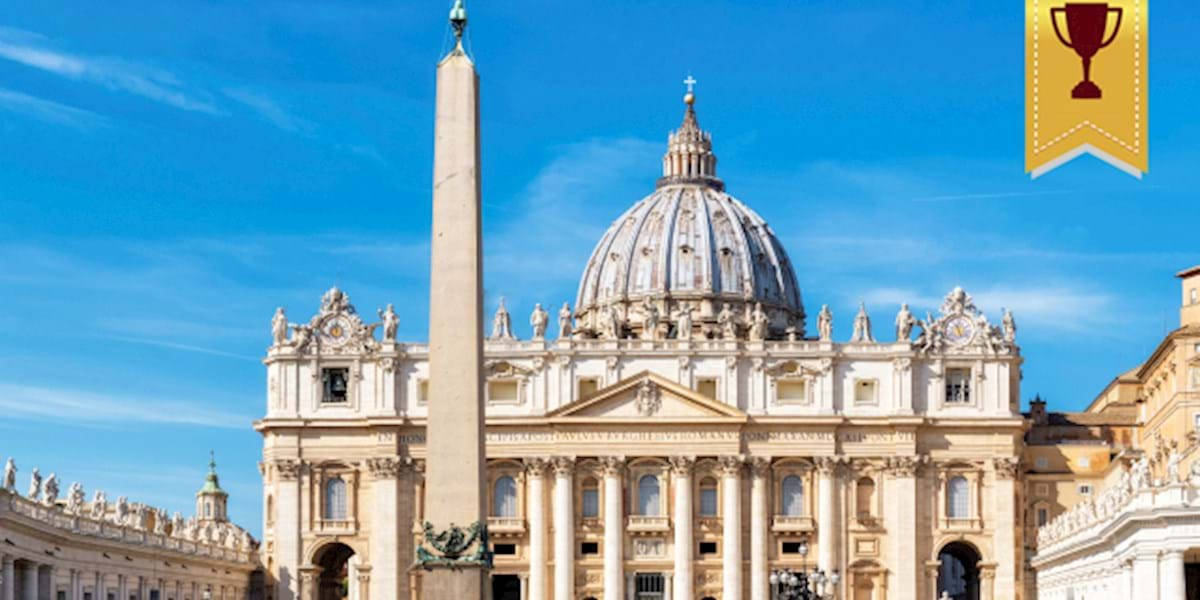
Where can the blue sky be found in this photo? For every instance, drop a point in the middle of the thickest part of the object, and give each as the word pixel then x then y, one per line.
pixel 171 172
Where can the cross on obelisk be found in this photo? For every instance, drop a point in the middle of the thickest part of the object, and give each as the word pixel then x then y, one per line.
pixel 454 463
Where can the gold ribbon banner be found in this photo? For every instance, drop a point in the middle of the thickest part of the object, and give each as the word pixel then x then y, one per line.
pixel 1085 83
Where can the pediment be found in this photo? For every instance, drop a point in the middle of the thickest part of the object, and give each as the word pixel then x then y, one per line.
pixel 647 396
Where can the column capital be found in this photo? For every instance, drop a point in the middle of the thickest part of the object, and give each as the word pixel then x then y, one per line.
pixel 387 467
pixel 613 465
pixel 681 466
pixel 1006 467
pixel 288 469
pixel 564 466
pixel 731 465
pixel 536 466
pixel 828 465
pixel 906 466
pixel 760 466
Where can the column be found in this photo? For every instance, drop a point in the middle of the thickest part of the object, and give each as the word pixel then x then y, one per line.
pixel 668 581
pixel 100 591
pixel 760 468
pixel 525 586
pixel 386 527
pixel 29 581
pixel 630 586
pixel 614 530
pixel 931 576
pixel 74 585
pixel 535 477
pixel 287 528
pixel 1145 575
pixel 8 591
pixel 902 520
pixel 827 513
pixel 681 468
pixel 731 523
pixel 1126 589
pixel 1004 513
pixel 564 529
pixel 122 587
pixel 1172 584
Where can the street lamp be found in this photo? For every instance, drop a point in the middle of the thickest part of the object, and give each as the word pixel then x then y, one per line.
pixel 802 584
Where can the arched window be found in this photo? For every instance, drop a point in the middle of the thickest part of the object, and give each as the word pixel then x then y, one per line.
pixel 649 504
pixel 335 499
pixel 591 498
pixel 504 497
pixel 708 497
pixel 864 497
pixel 793 496
pixel 958 497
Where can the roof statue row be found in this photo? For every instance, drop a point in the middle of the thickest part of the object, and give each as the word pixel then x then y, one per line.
pixel 959 327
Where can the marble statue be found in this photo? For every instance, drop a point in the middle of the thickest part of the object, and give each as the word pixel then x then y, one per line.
pixel 10 475
pixel 538 320
pixel 35 484
pixel 825 324
pixel 1140 473
pixel 1174 459
pixel 759 323
pixel 615 324
pixel 301 336
pixel 564 321
pixel 904 324
pixel 50 489
pixel 390 323
pixel 177 524
pixel 862 325
pixel 121 514
pixel 650 322
pixel 160 521
pixel 75 499
pixel 1010 327
pixel 683 321
pixel 728 323
pixel 99 505
pixel 502 324
pixel 279 327
pixel 1194 474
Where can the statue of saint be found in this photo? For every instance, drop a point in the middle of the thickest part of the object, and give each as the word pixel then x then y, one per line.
pixel 10 475
pixel 759 323
pixel 502 324
pixel 862 325
pixel 564 321
pixel 301 336
pixel 615 324
pixel 728 323
pixel 538 320
pixel 50 489
pixel 99 505
pixel 904 324
pixel 279 327
pixel 35 484
pixel 825 324
pixel 1010 327
pixel 650 321
pixel 390 323
pixel 683 321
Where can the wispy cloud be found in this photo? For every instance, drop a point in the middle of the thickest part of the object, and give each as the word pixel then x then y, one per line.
pixel 183 347
pixel 270 110
pixel 1049 306
pixel 103 410
pixel 152 83
pixel 48 110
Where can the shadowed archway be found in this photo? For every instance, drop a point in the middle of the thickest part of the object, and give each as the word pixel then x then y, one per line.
pixel 958 574
pixel 334 561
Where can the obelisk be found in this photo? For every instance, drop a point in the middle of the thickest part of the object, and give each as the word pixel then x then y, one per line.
pixel 454 467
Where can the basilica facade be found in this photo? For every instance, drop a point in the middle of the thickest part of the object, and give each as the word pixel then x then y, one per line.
pixel 678 433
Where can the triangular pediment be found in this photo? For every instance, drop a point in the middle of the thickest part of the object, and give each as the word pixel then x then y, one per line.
pixel 647 396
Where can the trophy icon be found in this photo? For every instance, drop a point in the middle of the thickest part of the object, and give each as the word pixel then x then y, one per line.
pixel 1086 23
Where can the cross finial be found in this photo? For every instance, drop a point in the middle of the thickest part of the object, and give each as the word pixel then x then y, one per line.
pixel 212 460
pixel 690 82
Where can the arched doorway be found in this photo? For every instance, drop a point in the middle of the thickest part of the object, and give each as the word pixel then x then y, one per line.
pixel 958 574
pixel 334 561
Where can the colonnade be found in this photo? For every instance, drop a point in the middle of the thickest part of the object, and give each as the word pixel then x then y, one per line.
pixel 24 578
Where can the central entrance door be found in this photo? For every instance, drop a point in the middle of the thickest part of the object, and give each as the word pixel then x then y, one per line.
pixel 648 586
pixel 506 587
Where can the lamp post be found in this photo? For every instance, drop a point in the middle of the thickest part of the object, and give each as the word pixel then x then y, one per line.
pixel 802 584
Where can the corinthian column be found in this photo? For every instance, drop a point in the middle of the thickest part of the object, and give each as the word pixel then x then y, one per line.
pixel 731 522
pixel 287 527
pixel 681 468
pixel 614 533
pixel 564 529
pixel 760 468
pixel 902 518
pixel 827 513
pixel 386 528
pixel 535 470
pixel 1005 515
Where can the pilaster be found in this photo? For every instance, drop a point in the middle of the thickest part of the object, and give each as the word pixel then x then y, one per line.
pixel 731 521
pixel 760 470
pixel 387 529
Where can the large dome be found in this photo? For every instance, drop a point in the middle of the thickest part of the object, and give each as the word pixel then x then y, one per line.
pixel 689 245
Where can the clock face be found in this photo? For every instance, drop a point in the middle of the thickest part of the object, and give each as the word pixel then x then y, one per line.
pixel 337 330
pixel 959 330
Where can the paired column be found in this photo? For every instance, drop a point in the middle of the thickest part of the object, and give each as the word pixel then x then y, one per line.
pixel 614 538
pixel 902 519
pixel 1170 570
pixel 535 478
pixel 826 513
pixel 1145 575
pixel 29 582
pixel 681 468
pixel 731 522
pixel 386 527
pixel 287 528
pixel 8 589
pixel 760 468
pixel 564 529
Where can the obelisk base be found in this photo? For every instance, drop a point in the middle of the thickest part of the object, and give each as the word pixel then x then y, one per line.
pixel 455 584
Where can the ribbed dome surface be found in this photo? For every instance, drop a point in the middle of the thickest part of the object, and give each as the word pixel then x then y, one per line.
pixel 689 242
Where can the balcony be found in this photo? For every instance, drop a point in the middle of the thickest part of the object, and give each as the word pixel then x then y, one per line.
pixel 791 524
pixel 335 526
pixel 505 526
pixel 962 523
pixel 647 524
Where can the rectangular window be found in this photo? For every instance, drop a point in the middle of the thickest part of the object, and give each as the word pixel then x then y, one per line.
pixel 648 586
pixel 1043 516
pixel 708 548
pixel 708 502
pixel 1084 462
pixel 591 503
pixel 423 391
pixel 588 386
pixel 504 549
pixel 503 392
pixel 865 391
pixel 1041 489
pixel 1041 463
pixel 336 383
pixel 958 386
pixel 791 392
pixel 707 386
pixel 87 596
pixel 1085 490
pixel 589 548
pixel 790 547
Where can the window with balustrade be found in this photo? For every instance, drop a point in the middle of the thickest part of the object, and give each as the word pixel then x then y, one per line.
pixel 864 499
pixel 958 498
pixel 504 497
pixel 335 499
pixel 590 498
pixel 649 496
pixel 791 499
pixel 708 497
